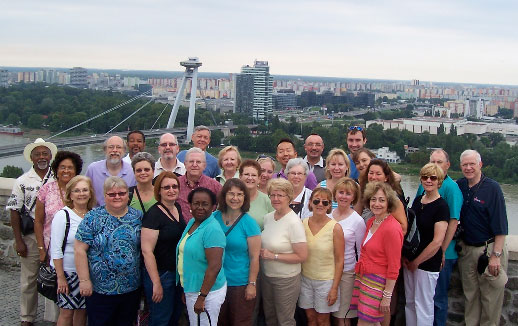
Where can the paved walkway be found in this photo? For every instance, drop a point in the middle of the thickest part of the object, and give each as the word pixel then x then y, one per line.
pixel 10 298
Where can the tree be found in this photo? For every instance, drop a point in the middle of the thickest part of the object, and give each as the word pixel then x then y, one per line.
pixel 215 137
pixel 35 121
pixel 13 119
pixel 10 171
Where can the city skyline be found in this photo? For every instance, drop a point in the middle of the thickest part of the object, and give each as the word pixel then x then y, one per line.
pixel 464 41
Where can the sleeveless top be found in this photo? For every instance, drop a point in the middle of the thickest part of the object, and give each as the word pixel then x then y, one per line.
pixel 320 264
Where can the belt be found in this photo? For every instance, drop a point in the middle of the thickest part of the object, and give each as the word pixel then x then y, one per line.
pixel 480 244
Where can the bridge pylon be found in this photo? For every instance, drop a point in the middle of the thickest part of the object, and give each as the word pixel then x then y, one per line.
pixel 191 72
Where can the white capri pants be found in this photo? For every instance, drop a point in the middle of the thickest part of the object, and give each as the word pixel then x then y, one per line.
pixel 213 303
pixel 419 293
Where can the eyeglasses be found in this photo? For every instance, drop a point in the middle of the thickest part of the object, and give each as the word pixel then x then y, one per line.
pixel 297 174
pixel 431 177
pixel 264 156
pixel 318 201
pixel 168 144
pixel 233 194
pixel 359 128
pixel 174 187
pixel 80 191
pixel 144 169
pixel 115 194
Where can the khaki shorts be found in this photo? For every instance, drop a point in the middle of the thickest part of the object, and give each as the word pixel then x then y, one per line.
pixel 346 293
pixel 313 294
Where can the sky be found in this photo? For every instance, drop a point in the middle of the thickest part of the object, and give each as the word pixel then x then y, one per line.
pixel 468 41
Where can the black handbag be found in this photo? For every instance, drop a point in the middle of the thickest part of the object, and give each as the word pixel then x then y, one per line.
pixel 47 280
pixel 208 317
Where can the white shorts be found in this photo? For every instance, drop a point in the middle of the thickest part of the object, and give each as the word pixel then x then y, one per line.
pixel 213 303
pixel 313 294
pixel 346 293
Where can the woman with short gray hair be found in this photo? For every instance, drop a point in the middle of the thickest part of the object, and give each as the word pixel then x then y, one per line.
pixel 107 256
pixel 297 171
pixel 142 196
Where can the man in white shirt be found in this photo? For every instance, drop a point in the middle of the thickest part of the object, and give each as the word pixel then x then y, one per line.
pixel 136 141
pixel 314 146
pixel 168 149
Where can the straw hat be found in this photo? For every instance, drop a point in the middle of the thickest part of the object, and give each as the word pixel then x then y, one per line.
pixel 39 142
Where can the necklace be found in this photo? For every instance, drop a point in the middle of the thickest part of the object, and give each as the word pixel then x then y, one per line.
pixel 79 213
pixel 378 222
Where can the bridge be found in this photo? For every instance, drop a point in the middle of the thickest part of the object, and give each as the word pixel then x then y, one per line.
pixel 67 142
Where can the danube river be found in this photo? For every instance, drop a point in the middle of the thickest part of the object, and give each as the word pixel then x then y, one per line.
pixel 91 153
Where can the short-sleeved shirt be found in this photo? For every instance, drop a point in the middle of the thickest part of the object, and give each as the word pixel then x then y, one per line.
pixel 207 235
pixel 98 172
pixel 52 200
pixel 427 215
pixel 114 249
pixel 185 189
pixel 259 207
pixel 169 234
pixel 483 215
pixel 212 168
pixel 25 191
pixel 237 258
pixel 278 237
pixel 179 169
pixel 450 192
pixel 319 169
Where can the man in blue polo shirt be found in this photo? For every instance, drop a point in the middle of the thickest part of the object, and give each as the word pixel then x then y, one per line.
pixel 450 192
pixel 484 219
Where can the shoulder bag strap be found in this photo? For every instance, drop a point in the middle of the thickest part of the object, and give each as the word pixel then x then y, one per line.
pixel 140 200
pixel 235 223
pixel 208 316
pixel 67 229
pixel 171 216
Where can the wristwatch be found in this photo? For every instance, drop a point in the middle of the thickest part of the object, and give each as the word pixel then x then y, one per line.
pixel 496 254
pixel 276 256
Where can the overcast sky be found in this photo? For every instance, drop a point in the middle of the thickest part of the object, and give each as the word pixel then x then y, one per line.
pixel 440 40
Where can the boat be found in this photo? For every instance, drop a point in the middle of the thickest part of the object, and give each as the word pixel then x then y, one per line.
pixel 8 130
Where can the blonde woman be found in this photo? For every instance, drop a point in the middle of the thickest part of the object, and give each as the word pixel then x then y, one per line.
pixel 337 167
pixel 229 160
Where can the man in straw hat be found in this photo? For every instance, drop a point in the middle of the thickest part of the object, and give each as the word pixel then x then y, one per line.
pixel 22 202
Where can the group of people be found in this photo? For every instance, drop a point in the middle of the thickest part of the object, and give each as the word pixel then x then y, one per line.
pixel 233 242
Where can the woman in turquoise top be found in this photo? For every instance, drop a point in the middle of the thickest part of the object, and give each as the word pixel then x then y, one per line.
pixel 199 257
pixel 241 263
pixel 142 195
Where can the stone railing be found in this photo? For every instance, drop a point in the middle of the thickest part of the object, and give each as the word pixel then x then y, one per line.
pixel 456 300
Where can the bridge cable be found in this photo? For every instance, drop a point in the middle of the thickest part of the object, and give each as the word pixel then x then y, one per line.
pixel 159 116
pixel 101 114
pixel 151 100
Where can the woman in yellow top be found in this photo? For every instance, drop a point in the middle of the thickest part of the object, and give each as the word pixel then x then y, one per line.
pixel 322 271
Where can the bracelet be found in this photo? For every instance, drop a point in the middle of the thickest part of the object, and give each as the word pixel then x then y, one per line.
pixel 202 295
pixel 85 280
pixel 252 283
pixel 276 256
pixel 41 248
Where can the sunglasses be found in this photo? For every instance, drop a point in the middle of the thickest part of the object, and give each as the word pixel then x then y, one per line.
pixel 264 156
pixel 115 194
pixel 318 201
pixel 144 169
pixel 431 177
pixel 355 128
pixel 169 187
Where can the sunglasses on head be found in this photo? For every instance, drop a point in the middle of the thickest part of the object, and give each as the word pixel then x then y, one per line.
pixel 431 177
pixel 318 201
pixel 355 128
pixel 264 156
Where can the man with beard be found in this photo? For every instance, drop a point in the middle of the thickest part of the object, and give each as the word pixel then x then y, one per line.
pixel 136 144
pixel 113 165
pixel 23 199
pixel 168 149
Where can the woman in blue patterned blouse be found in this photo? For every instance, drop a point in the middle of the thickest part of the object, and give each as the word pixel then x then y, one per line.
pixel 107 256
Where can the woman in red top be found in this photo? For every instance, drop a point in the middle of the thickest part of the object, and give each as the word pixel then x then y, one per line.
pixel 380 259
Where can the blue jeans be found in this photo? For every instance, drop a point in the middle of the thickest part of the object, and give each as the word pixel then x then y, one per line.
pixel 168 311
pixel 441 293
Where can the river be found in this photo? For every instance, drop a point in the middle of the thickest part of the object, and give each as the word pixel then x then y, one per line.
pixel 91 153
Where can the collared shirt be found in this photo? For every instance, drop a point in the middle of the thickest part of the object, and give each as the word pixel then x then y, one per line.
pixel 207 235
pixel 179 169
pixel 25 190
pixel 311 180
pixel 185 189
pixel 451 193
pixel 98 172
pixel 221 177
pixel 114 249
pixel 127 159
pixel 483 215
pixel 212 168
pixel 319 169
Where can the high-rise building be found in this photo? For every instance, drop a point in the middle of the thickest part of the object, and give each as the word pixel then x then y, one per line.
pixel 78 77
pixel 254 86
pixel 4 78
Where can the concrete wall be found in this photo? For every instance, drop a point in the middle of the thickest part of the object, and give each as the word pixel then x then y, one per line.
pixel 456 302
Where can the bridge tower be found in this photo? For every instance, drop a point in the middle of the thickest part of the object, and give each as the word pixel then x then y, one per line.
pixel 191 72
